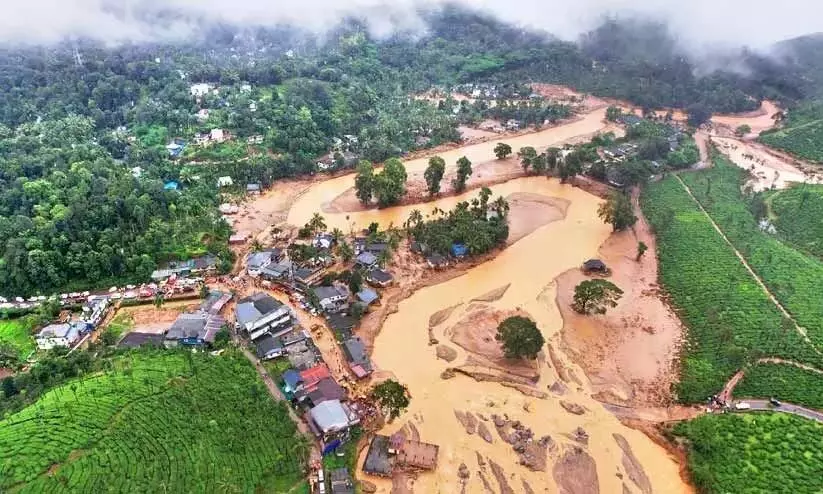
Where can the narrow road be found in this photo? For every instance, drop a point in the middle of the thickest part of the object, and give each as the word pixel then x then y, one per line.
pixel 274 391
pixel 764 405
pixel 800 330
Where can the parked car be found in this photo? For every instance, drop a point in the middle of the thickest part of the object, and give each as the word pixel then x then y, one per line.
pixel 775 402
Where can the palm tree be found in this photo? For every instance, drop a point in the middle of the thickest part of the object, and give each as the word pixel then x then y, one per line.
pixel 501 205
pixel 317 223
pixel 256 245
pixel 337 234
pixel 346 252
pixel 415 219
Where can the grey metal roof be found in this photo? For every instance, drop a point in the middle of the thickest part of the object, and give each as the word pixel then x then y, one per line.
pixel 330 416
pixel 324 292
pixel 367 295
pixel 267 344
pixel 366 258
pixel 257 259
pixel 380 276
pixel 252 308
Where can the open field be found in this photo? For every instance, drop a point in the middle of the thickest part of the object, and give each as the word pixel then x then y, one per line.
pixel 792 277
pixel 730 318
pixel 156 421
pixel 754 453
pixel 17 333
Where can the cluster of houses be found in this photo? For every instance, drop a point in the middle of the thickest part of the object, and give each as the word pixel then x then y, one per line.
pixel 70 331
pixel 274 330
pixel 195 329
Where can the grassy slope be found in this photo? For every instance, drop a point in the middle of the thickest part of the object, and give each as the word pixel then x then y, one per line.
pixel 785 382
pixel 158 421
pixel 18 334
pixel 797 214
pixel 730 319
pixel 792 276
pixel 755 453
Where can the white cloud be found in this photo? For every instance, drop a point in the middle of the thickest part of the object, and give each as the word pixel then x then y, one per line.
pixel 698 23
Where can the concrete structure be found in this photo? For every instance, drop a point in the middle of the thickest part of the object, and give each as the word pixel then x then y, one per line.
pixel 54 335
pixel 261 314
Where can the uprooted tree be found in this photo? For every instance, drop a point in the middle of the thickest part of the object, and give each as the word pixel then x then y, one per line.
pixel 520 337
pixel 392 397
pixel 595 296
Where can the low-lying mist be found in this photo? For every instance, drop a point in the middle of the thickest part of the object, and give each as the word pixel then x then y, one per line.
pixel 700 26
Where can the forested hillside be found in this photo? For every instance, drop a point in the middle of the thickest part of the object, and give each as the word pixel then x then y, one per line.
pixel 83 157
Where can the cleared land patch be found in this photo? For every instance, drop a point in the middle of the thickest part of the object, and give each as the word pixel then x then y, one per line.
pixel 17 333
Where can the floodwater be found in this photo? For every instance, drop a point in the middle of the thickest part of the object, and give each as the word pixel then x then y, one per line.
pixel 767 170
pixel 758 120
pixel 311 201
pixel 530 265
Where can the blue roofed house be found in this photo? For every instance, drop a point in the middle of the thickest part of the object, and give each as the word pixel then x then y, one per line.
pixel 171 185
pixel 367 296
pixel 292 382
pixel 459 250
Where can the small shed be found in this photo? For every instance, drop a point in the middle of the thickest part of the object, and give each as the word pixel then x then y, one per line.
pixel 459 250
pixel 595 266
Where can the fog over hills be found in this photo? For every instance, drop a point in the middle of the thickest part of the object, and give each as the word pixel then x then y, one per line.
pixel 700 25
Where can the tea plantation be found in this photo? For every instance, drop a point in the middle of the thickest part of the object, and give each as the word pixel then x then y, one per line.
pixel 154 422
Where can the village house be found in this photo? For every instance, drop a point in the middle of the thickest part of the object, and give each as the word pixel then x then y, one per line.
pixel 193 329
pixel 201 89
pixel 332 298
pixel 255 139
pixel 366 260
pixel 388 454
pixel 342 325
pixel 215 301
pixel 277 272
pixel 135 339
pixel 357 357
pixel 331 417
pixel 595 266
pixel 225 181
pixel 437 261
pixel 54 335
pixel 217 135
pixel 238 238
pixel 254 189
pixel 309 275
pixel 262 314
pixel 202 115
pixel 227 208
pixel 292 382
pixel 367 296
pixel 341 481
pixel 379 277
pixel 268 347
pixel 325 389
pixel 257 261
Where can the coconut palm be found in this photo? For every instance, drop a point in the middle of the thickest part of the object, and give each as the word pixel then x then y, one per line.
pixel 317 223
pixel 337 234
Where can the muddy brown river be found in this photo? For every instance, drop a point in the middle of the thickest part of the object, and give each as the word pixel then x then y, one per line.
pixel 530 265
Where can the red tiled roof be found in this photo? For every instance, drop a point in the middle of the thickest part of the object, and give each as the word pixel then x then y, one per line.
pixel 314 375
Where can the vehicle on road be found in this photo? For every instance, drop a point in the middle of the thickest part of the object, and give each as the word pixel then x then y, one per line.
pixel 742 406
pixel 775 402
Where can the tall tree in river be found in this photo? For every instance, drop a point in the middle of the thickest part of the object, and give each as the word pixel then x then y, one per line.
pixel 464 171
pixel 527 157
pixel 390 183
pixel 364 181
pixel 520 337
pixel 595 296
pixel 502 150
pixel 434 174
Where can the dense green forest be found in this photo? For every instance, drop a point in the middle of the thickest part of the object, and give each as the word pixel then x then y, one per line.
pixel 87 194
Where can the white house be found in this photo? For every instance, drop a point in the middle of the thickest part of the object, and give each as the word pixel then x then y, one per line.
pixel 256 261
pixel 224 181
pixel 217 135
pixel 53 335
pixel 200 90
pixel 203 115
pixel 252 106
pixel 331 297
